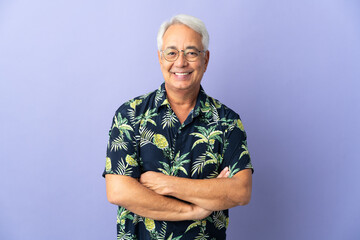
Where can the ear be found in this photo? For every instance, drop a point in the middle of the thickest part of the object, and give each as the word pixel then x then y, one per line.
pixel 206 59
pixel 159 56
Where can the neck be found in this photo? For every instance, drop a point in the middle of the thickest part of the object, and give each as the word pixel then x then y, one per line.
pixel 184 98
pixel 182 101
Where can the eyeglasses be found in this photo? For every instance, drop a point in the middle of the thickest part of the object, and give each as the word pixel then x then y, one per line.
pixel 190 54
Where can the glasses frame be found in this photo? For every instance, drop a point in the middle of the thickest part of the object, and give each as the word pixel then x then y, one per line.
pixel 183 51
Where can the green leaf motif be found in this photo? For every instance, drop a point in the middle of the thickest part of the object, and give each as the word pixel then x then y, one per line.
pixel 194 224
pixel 200 163
pixel 207 135
pixel 159 95
pixel 169 119
pixel 220 220
pixel 123 169
pixel 176 166
pixel 202 235
pixel 146 136
pixel 118 144
pixel 146 117
pixel 233 170
pixel 122 125
pixel 246 151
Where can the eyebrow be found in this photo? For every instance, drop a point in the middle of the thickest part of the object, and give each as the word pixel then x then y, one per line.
pixel 189 47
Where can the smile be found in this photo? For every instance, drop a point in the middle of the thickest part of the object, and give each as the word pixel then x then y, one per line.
pixel 182 74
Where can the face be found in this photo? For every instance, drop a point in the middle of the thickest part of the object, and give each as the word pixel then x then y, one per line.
pixel 182 75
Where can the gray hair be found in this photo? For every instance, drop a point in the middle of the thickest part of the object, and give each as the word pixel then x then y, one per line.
pixel 192 22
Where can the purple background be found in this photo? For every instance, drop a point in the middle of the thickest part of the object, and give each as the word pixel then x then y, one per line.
pixel 289 68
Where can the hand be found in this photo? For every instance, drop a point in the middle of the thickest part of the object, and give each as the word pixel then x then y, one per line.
pixel 224 173
pixel 155 181
pixel 199 212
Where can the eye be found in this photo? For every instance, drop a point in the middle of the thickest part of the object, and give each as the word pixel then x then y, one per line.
pixel 192 53
pixel 170 52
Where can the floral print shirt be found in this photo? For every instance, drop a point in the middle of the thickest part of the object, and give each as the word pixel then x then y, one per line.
pixel 146 135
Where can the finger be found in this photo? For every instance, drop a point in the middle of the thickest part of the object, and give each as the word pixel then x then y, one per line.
pixel 223 173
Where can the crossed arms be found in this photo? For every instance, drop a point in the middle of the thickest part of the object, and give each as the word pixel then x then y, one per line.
pixel 168 198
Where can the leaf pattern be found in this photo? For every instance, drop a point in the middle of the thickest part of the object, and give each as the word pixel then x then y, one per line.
pixel 118 144
pixel 146 135
pixel 169 119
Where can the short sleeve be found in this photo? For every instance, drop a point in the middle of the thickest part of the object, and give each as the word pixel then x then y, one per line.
pixel 236 154
pixel 121 154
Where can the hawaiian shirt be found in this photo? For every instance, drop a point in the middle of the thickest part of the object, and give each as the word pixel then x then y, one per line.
pixel 146 135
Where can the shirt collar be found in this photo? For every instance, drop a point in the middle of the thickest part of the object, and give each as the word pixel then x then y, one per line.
pixel 160 97
pixel 202 102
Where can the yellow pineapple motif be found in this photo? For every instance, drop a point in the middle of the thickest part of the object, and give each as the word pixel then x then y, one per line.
pixel 131 161
pixel 212 141
pixel 239 125
pixel 149 224
pixel 108 164
pixel 135 103
pixel 160 141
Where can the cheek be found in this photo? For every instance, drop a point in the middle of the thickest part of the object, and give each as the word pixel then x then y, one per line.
pixel 166 67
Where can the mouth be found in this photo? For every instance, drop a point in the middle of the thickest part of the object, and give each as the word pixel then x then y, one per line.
pixel 182 73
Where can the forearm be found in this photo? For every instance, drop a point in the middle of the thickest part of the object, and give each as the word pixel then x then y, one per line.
pixel 130 194
pixel 212 194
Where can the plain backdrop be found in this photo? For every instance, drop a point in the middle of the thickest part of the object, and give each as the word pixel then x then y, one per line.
pixel 291 69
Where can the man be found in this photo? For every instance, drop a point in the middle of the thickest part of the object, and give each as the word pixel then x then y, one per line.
pixel 177 159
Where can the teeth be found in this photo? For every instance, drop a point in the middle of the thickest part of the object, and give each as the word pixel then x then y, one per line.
pixel 181 74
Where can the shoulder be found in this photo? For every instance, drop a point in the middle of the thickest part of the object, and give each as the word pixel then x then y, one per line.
pixel 138 105
pixel 223 110
pixel 226 117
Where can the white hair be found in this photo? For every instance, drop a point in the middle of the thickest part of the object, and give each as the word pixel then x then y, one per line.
pixel 192 22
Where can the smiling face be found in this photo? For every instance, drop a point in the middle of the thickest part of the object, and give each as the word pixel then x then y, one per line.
pixel 182 75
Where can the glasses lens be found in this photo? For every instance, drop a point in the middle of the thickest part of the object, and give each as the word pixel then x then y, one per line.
pixel 191 54
pixel 171 54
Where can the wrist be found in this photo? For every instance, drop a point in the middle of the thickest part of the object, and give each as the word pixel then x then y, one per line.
pixel 168 188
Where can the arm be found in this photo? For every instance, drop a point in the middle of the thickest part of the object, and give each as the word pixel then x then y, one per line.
pixel 213 194
pixel 127 192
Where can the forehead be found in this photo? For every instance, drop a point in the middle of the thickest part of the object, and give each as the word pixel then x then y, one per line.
pixel 181 36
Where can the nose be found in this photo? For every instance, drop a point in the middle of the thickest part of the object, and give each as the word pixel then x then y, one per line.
pixel 181 61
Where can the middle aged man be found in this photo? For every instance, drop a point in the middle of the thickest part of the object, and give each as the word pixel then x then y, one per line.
pixel 177 159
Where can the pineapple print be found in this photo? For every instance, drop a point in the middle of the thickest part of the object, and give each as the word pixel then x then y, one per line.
pixel 131 161
pixel 108 164
pixel 149 224
pixel 160 141
pixel 120 221
pixel 239 125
